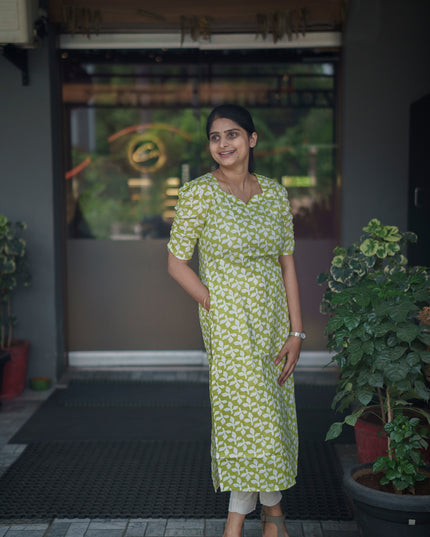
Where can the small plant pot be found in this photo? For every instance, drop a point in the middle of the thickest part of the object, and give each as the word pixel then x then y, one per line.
pixel 40 384
pixel 15 371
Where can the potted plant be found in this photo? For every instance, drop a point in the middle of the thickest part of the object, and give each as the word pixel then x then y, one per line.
pixel 373 297
pixel 14 272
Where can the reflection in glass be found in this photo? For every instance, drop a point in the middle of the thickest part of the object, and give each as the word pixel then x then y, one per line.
pixel 136 134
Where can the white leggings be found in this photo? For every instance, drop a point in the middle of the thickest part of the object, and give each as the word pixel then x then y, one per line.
pixel 245 502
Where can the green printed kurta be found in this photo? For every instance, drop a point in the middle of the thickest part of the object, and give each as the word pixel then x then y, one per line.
pixel 254 428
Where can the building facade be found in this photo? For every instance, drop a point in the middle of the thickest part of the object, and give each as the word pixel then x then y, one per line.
pixel 106 299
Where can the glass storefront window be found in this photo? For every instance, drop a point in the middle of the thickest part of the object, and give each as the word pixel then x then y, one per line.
pixel 136 134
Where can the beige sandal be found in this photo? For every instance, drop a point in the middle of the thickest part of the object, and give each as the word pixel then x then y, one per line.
pixel 277 520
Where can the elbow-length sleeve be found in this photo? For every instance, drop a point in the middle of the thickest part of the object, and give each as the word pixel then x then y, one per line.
pixel 190 217
pixel 287 221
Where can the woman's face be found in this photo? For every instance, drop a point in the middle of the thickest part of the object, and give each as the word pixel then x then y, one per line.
pixel 229 143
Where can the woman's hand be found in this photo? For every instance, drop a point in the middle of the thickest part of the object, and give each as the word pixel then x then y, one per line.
pixel 207 302
pixel 290 352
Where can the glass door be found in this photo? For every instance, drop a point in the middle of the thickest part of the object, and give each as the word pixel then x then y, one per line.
pixel 135 134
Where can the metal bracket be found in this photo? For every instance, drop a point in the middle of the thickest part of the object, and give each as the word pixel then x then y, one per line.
pixel 19 58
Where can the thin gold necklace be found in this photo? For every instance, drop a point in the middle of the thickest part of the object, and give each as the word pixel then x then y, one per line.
pixel 227 183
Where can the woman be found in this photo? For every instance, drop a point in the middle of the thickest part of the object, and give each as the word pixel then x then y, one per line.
pixel 248 295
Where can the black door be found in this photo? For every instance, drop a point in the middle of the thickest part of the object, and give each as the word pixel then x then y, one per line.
pixel 419 181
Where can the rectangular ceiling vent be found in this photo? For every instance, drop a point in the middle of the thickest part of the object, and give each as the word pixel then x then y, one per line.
pixel 17 19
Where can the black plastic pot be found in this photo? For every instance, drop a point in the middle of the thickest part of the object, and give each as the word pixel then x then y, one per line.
pixel 382 514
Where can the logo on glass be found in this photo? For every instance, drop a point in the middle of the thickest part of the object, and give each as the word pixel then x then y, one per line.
pixel 146 153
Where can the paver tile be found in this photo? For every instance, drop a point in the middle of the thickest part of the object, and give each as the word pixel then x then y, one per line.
pixel 341 533
pixel 70 520
pixel 339 525
pixel 156 528
pixel 3 530
pixel 184 532
pixel 108 525
pixel 58 529
pixel 312 528
pixel 295 528
pixel 30 527
pixel 77 529
pixel 214 527
pixel 25 533
pixel 104 533
pixel 136 528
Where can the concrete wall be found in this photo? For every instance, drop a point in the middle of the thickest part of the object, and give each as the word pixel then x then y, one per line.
pixel 27 193
pixel 385 68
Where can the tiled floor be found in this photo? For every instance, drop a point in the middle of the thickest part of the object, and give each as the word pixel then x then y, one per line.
pixel 14 413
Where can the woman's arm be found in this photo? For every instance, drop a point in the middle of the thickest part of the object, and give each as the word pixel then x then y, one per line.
pixel 291 349
pixel 180 271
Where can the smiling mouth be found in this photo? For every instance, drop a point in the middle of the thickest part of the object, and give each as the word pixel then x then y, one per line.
pixel 226 153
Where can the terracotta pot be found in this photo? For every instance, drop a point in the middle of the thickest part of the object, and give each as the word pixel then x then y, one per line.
pixel 15 371
pixel 371 439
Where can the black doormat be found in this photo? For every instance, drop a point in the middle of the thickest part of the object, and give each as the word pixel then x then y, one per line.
pixel 132 479
pixel 110 411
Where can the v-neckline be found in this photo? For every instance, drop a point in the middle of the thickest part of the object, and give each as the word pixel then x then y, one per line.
pixel 236 197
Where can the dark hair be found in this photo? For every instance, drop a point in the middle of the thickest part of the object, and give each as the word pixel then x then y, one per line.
pixel 239 115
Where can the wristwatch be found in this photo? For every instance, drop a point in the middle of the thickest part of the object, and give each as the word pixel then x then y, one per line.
pixel 301 335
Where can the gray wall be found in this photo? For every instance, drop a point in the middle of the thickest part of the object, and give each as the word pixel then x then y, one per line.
pixel 386 67
pixel 27 193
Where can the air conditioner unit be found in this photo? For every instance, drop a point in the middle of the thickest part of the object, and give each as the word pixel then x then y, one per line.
pixel 17 19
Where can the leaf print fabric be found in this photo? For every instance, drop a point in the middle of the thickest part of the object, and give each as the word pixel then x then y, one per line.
pixel 254 428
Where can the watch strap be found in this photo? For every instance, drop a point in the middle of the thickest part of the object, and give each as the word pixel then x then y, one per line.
pixel 301 335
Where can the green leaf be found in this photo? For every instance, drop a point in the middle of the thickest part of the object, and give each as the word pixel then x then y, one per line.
pixel 339 274
pixel 364 395
pixel 335 286
pixel 404 385
pixel 374 226
pixel 392 248
pixel 382 250
pixel 341 336
pixel 362 300
pixel 383 328
pixel 400 312
pixel 392 340
pixel 352 419
pixel 379 465
pixel 368 347
pixel 369 247
pixel 355 351
pixel 337 261
pixel 425 356
pixel 401 484
pixel 376 380
pixel 424 337
pixel 410 237
pixel 7 265
pixel 421 390
pixel 323 277
pixel 396 371
pixel 408 332
pixel 335 323
pixel 334 430
pixel 391 233
pixel 352 321
pixel 394 353
pixel 339 251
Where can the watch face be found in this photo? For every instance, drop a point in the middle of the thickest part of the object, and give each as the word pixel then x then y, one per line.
pixel 303 335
